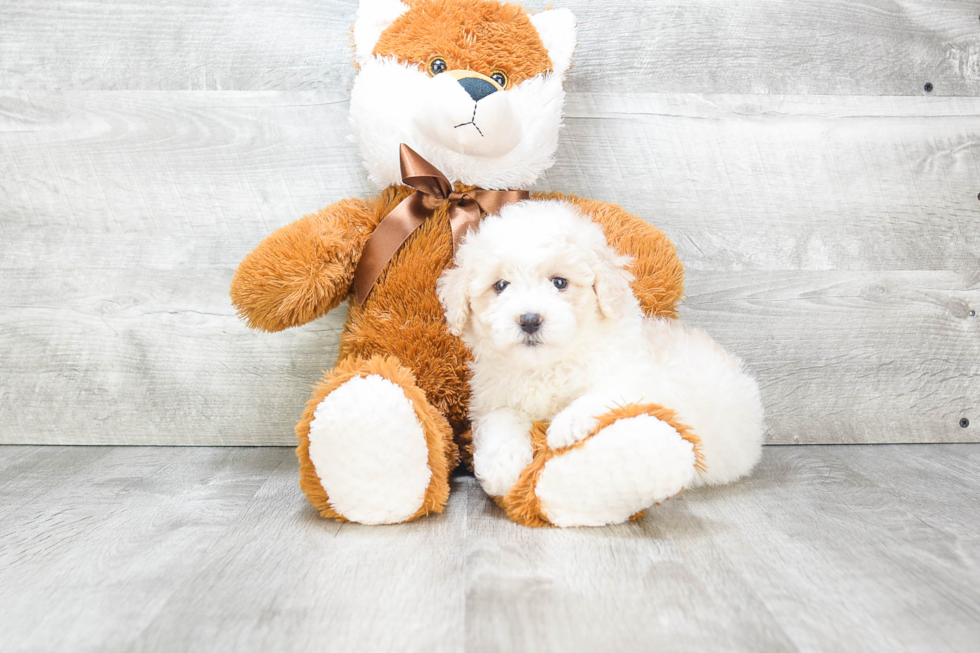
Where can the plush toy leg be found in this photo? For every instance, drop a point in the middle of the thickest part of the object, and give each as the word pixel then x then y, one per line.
pixel 371 448
pixel 637 456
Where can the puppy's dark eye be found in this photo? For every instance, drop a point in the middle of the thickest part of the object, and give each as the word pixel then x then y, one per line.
pixel 500 286
pixel 500 78
pixel 560 283
pixel 437 65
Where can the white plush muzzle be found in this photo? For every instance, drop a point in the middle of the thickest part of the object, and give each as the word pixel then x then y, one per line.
pixel 453 118
pixel 504 140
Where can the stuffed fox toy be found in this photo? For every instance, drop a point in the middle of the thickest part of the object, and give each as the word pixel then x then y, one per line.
pixel 456 109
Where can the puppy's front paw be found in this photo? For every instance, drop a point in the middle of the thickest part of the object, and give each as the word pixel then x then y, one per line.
pixel 498 472
pixel 569 427
pixel 501 449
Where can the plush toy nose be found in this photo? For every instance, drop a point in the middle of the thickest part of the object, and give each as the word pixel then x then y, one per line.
pixel 477 88
pixel 530 322
pixel 476 85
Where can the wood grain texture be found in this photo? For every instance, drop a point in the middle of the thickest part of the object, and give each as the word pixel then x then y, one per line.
pixel 808 554
pixel 831 242
pixel 199 549
pixel 821 47
pixel 183 45
pixel 850 357
pixel 740 182
pixel 786 183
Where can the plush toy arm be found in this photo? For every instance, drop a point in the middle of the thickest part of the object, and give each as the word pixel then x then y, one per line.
pixel 659 275
pixel 305 269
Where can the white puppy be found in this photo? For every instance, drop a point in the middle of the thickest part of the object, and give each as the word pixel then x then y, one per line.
pixel 545 305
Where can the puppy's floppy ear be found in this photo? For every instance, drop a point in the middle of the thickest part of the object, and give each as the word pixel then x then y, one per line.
pixel 612 280
pixel 451 288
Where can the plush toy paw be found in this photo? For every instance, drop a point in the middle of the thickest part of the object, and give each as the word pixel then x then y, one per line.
pixel 639 456
pixel 625 468
pixel 372 449
pixel 369 451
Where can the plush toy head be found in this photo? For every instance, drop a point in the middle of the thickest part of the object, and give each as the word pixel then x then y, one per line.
pixel 474 86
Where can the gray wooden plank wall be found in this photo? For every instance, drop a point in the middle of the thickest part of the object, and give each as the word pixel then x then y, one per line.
pixel 825 204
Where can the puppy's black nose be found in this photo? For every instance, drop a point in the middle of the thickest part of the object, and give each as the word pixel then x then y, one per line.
pixel 530 322
pixel 477 88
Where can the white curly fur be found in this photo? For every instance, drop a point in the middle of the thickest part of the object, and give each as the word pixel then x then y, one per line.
pixel 593 351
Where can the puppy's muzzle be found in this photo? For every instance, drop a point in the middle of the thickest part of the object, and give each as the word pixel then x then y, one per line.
pixel 530 322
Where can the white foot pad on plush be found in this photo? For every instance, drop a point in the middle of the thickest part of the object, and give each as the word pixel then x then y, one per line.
pixel 625 468
pixel 369 450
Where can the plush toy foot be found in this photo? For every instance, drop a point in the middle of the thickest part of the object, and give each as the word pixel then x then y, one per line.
pixel 371 448
pixel 639 455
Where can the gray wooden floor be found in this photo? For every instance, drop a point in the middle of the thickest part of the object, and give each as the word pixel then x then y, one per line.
pixel 843 548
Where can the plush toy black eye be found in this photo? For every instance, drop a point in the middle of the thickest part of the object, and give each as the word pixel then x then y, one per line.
pixel 560 283
pixel 437 65
pixel 500 286
pixel 500 78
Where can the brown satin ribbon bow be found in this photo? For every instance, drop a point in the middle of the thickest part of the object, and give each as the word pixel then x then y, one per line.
pixel 431 190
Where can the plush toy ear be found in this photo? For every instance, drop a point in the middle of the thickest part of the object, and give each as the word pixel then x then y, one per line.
pixel 373 17
pixel 451 288
pixel 612 281
pixel 556 27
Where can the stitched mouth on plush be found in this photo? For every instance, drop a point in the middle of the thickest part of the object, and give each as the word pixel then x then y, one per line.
pixel 425 65
pixel 501 140
pixel 457 114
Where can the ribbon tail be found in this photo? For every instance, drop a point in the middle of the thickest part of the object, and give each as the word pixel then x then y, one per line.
pixel 387 238
pixel 422 175
pixel 431 189
pixel 462 219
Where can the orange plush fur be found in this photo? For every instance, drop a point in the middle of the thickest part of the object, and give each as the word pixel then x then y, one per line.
pixel 402 318
pixel 442 452
pixel 483 37
pixel 305 269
